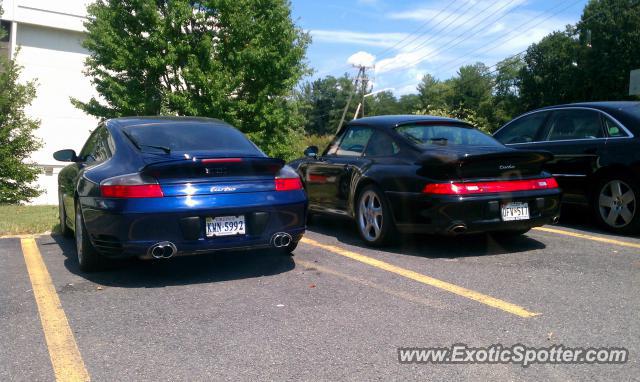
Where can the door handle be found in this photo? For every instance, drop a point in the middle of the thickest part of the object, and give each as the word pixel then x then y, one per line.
pixel 591 150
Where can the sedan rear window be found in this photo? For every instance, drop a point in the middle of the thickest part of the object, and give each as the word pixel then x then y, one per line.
pixel 438 134
pixel 171 137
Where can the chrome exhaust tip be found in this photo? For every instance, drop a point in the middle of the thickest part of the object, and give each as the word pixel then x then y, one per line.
pixel 457 229
pixel 281 240
pixel 162 250
pixel 555 220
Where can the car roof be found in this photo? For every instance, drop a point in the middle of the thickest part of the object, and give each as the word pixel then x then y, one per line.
pixel 601 105
pixel 124 122
pixel 395 120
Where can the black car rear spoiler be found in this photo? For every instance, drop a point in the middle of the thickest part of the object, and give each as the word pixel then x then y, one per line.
pixel 443 164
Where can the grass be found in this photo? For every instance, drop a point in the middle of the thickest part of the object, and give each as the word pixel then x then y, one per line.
pixel 21 220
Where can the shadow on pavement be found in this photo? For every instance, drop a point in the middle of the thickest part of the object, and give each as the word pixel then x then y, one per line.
pixel 134 273
pixel 581 218
pixel 431 246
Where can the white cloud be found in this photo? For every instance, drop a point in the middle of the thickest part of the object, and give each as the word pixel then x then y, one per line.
pixel 404 58
pixel 457 14
pixel 361 59
pixel 357 38
pixel 401 60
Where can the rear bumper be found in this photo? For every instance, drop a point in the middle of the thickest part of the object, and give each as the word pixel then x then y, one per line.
pixel 126 228
pixel 439 214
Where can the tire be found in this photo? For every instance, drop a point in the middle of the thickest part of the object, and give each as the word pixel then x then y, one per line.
pixel 374 219
pixel 89 259
pixel 62 214
pixel 615 204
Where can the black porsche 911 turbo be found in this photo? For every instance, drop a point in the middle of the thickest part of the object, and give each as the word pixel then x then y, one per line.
pixel 425 174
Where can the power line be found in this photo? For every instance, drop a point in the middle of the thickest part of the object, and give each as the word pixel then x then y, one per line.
pixel 380 54
pixel 417 29
pixel 519 27
pixel 525 50
pixel 459 37
pixel 440 22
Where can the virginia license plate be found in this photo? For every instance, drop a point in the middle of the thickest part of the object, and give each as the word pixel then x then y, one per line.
pixel 515 211
pixel 225 226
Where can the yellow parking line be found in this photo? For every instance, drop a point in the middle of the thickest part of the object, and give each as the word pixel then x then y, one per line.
pixel 588 237
pixel 395 293
pixel 63 350
pixel 460 291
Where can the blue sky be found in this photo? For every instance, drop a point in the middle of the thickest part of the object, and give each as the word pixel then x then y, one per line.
pixel 409 38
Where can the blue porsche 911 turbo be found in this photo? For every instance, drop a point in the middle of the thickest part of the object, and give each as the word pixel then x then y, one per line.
pixel 155 187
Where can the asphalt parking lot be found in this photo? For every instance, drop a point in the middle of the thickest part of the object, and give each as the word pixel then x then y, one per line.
pixel 335 311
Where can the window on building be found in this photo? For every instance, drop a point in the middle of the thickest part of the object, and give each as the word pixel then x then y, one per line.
pixel 5 40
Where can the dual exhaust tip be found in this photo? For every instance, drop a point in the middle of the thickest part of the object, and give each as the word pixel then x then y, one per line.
pixel 458 229
pixel 281 240
pixel 162 250
pixel 167 249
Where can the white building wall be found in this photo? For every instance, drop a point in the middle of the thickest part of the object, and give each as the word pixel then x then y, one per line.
pixel 49 34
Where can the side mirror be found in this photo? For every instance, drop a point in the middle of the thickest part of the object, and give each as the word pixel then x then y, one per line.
pixel 311 151
pixel 65 156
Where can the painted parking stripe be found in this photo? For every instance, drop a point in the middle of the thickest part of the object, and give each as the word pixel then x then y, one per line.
pixel 588 237
pixel 65 357
pixel 361 281
pixel 427 280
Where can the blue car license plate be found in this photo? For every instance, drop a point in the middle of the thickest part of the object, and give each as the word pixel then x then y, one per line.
pixel 225 226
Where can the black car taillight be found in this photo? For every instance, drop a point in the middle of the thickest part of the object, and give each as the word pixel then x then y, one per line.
pixel 469 188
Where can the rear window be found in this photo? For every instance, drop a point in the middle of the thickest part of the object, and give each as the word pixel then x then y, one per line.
pixel 191 137
pixel 443 135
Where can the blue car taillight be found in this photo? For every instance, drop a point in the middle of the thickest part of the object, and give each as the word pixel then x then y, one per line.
pixel 130 186
pixel 288 180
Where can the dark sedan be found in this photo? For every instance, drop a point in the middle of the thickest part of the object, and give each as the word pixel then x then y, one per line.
pixel 597 155
pixel 427 174
pixel 158 187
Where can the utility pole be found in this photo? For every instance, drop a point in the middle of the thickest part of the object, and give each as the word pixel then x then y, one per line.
pixel 363 80
pixel 365 84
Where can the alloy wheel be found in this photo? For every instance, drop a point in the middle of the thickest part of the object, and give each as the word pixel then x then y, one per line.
pixel 61 214
pixel 79 235
pixel 617 204
pixel 370 216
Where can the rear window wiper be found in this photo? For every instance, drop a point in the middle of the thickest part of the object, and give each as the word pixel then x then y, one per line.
pixel 412 138
pixel 139 145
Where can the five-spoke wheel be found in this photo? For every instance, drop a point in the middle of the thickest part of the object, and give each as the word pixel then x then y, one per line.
pixel 616 204
pixel 373 216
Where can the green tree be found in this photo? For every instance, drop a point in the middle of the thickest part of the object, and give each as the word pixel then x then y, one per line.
pixel 383 103
pixel 433 92
pixel 506 91
pixel 462 114
pixel 552 73
pixel 472 88
pixel 409 103
pixel 322 102
pixel 237 60
pixel 17 139
pixel 609 36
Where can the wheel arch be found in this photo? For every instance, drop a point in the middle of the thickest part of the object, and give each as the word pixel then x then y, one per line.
pixel 362 183
pixel 606 172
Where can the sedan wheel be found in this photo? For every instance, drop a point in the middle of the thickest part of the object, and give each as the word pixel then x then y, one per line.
pixel 617 204
pixel 373 217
